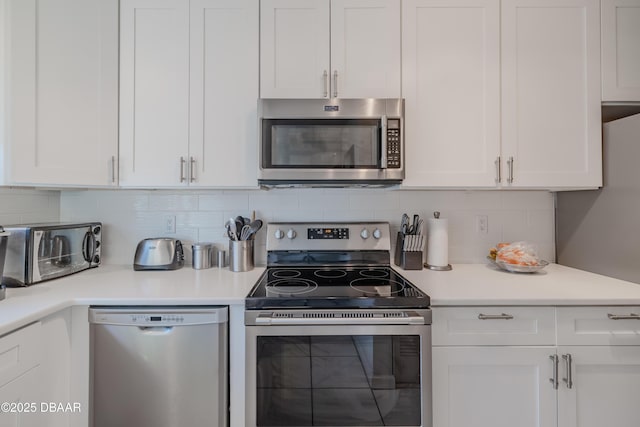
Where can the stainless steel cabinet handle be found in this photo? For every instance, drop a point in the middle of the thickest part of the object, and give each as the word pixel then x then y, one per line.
pixel 567 364
pixel 113 169
pixel 630 316
pixel 192 167
pixel 182 162
pixel 503 316
pixel 510 163
pixel 498 170
pixel 325 79
pixel 335 83
pixel 554 379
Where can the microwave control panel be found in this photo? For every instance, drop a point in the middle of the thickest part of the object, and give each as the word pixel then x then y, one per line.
pixel 393 143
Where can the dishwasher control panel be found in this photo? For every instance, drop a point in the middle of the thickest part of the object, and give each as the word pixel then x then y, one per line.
pixel 158 316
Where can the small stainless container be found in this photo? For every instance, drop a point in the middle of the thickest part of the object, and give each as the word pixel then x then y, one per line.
pixel 201 255
pixel 240 255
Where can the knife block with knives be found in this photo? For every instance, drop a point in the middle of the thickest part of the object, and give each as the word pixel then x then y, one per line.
pixel 409 244
pixel 407 256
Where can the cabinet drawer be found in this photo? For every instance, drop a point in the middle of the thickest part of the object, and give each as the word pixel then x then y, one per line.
pixel 493 326
pixel 19 352
pixel 599 325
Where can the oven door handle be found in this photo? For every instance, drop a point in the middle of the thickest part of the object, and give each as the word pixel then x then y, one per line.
pixel 333 318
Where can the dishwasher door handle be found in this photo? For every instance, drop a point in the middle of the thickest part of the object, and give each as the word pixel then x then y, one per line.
pixel 156 330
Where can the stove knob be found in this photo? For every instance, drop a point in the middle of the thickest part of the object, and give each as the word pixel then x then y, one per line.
pixel 279 234
pixel 291 234
pixel 364 233
pixel 377 233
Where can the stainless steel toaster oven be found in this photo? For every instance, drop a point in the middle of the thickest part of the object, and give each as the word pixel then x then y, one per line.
pixel 39 252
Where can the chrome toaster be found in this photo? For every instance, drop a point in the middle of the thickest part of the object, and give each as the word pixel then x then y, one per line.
pixel 159 253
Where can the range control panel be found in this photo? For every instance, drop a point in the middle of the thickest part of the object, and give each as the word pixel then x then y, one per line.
pixel 327 233
pixel 307 236
pixel 393 144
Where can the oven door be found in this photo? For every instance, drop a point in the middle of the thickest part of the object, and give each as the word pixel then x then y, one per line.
pixel 338 375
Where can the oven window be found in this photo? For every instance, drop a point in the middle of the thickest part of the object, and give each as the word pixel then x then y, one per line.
pixel 327 144
pixel 339 381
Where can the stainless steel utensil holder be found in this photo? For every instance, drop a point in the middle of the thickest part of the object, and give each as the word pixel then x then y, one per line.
pixel 408 260
pixel 241 255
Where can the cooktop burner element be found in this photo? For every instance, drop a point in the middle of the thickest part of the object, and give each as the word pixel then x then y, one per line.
pixel 311 265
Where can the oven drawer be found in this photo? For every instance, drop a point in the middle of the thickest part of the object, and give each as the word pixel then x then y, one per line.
pixel 599 325
pixel 493 326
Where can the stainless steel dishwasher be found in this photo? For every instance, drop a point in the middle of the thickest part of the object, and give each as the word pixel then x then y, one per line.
pixel 159 366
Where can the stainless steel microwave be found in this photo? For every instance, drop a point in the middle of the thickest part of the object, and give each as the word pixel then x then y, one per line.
pixel 39 252
pixel 335 142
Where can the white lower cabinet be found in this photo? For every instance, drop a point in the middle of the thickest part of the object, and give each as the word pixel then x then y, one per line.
pixel 493 387
pixel 492 367
pixel 21 398
pixel 604 389
pixel 496 366
pixel 600 349
pixel 20 377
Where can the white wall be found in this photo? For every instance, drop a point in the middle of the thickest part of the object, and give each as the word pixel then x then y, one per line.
pixel 28 206
pixel 130 216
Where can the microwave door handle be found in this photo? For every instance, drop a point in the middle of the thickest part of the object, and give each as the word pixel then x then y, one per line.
pixel 383 137
pixel 88 246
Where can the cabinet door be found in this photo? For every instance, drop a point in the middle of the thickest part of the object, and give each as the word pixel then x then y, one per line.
pixel 493 386
pixel 620 53
pixel 23 394
pixel 224 91
pixel 62 92
pixel 365 48
pixel 551 122
pixel 605 389
pixel 154 92
pixel 451 86
pixel 294 49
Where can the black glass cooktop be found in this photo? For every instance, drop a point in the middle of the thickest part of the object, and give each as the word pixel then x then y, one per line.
pixel 331 287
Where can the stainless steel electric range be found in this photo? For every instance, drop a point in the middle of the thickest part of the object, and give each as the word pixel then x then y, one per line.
pixel 335 336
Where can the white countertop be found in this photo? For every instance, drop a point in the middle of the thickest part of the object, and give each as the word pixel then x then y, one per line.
pixel 556 285
pixel 466 284
pixel 121 285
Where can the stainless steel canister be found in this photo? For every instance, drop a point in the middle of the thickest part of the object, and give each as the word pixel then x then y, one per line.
pixel 201 255
pixel 240 255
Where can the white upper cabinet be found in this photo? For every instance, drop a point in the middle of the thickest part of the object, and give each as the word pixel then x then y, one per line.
pixel 330 48
pixel 620 52
pixel 154 92
pixel 294 48
pixel 61 92
pixel 223 137
pixel 551 120
pixel 451 86
pixel 502 94
pixel 188 95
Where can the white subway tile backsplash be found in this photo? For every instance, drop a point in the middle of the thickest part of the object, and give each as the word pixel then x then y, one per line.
pixel 28 206
pixel 215 202
pixel 173 202
pixel 130 216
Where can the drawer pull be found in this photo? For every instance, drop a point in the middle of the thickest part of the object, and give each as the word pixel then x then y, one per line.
pixel 631 316
pixel 554 379
pixel 568 361
pixel 502 316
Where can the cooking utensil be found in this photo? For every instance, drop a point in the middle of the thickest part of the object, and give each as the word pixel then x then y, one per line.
pixel 232 229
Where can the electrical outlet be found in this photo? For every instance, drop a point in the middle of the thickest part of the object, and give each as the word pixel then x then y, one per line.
pixel 170 223
pixel 482 224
